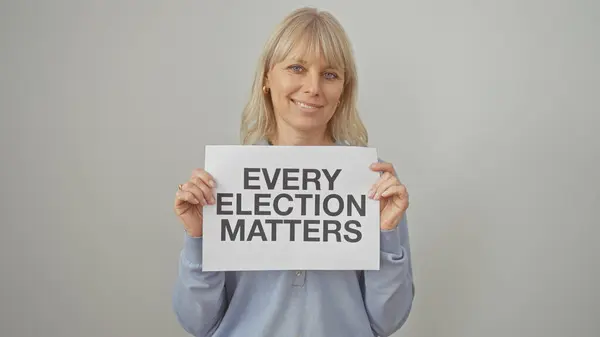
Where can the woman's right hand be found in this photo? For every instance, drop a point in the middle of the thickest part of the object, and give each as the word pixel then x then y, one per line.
pixel 191 198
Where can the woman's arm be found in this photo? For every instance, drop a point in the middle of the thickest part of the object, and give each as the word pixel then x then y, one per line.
pixel 389 292
pixel 199 299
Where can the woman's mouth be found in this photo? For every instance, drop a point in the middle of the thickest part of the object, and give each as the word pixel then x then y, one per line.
pixel 306 106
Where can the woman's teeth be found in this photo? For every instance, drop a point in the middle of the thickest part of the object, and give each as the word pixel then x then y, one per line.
pixel 305 105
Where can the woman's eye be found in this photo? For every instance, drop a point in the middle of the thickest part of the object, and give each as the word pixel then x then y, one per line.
pixel 296 68
pixel 330 76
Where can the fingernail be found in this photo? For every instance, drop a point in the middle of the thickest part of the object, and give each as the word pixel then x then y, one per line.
pixel 212 183
pixel 371 192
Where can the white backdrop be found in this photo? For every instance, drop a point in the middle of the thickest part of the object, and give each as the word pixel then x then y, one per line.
pixel 488 109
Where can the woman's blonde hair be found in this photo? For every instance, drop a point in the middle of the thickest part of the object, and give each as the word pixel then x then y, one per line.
pixel 322 33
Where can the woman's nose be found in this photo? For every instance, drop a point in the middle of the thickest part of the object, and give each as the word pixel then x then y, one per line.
pixel 312 83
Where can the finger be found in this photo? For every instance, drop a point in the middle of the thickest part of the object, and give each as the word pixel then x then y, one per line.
pixel 385 185
pixel 399 190
pixel 186 196
pixel 382 180
pixel 383 167
pixel 195 191
pixel 207 191
pixel 204 176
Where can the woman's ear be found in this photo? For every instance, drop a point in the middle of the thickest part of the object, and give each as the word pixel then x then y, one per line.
pixel 265 87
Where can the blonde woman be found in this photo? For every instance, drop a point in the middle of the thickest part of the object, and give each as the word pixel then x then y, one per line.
pixel 304 93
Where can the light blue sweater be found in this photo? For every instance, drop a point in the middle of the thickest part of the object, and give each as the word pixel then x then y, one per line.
pixel 296 303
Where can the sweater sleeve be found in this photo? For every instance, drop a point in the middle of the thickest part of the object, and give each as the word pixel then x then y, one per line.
pixel 389 291
pixel 199 300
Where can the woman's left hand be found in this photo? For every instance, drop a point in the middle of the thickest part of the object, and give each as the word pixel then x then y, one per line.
pixel 392 196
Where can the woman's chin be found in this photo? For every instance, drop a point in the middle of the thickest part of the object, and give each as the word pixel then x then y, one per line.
pixel 308 125
pixel 304 122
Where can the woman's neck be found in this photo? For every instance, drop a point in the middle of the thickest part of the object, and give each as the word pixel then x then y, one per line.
pixel 301 139
pixel 288 136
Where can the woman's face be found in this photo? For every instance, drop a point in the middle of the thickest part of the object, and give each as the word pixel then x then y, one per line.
pixel 305 92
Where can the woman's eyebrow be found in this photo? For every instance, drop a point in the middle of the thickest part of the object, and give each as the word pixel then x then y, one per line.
pixel 303 61
pixel 299 60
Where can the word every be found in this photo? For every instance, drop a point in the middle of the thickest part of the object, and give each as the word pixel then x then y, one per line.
pixel 289 177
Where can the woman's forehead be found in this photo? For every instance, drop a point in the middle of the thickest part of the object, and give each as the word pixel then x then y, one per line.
pixel 313 53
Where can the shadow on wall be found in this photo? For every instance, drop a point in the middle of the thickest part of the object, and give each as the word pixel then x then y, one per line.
pixel 451 266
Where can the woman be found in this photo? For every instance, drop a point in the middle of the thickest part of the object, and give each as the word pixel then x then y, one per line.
pixel 304 93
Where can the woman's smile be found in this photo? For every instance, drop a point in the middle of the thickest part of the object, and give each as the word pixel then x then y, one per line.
pixel 306 106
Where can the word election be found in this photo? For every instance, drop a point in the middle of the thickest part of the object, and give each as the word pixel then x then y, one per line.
pixel 268 207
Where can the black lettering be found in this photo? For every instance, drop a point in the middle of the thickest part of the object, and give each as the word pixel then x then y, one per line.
pixel 247 178
pixel 315 179
pixel 331 178
pixel 276 204
pixel 287 179
pixel 327 230
pixel 308 230
pixel 273 223
pixel 355 231
pixel 361 209
pixel 238 206
pixel 303 198
pixel 258 203
pixel 317 204
pixel 326 205
pixel 292 224
pixel 257 230
pixel 226 229
pixel 271 182
pixel 221 203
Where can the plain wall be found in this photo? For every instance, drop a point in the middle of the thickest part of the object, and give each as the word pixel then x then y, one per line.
pixel 488 109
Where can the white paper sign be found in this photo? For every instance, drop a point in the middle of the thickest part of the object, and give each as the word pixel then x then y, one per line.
pixel 290 208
